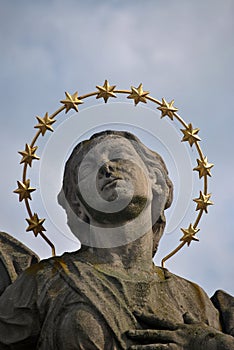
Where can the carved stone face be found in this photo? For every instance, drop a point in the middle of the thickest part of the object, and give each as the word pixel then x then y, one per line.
pixel 115 189
pixel 116 173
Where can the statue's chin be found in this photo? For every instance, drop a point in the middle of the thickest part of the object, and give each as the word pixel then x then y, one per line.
pixel 131 211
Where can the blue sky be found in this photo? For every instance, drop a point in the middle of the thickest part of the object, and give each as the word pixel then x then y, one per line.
pixel 179 49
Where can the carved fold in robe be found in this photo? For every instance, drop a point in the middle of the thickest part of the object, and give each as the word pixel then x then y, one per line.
pixel 48 300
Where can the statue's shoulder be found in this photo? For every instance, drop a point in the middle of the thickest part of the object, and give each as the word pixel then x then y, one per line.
pixel 184 286
pixel 54 266
pixel 193 298
pixel 168 275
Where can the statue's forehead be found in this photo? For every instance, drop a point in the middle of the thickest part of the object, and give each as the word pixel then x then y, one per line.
pixel 111 147
pixel 111 143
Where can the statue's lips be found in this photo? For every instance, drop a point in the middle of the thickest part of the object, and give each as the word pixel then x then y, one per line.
pixel 110 182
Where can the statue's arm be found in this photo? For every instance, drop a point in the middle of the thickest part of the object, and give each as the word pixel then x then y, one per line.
pixel 190 335
pixel 84 329
pixel 224 302
pixel 19 317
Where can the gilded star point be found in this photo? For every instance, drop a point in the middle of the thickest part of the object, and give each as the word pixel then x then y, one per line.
pixel 167 108
pixel 203 167
pixel 24 190
pixel 106 91
pixel 190 134
pixel 138 94
pixel 45 123
pixel 35 225
pixel 28 155
pixel 203 201
pixel 71 101
pixel 189 234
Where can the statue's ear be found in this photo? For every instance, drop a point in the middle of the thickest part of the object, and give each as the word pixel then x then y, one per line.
pixel 73 205
pixel 61 198
pixel 77 218
pixel 152 176
pixel 160 194
pixel 158 229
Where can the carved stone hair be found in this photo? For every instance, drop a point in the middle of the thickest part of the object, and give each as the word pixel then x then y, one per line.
pixel 162 188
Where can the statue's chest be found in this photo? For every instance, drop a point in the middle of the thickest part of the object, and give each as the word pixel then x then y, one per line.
pixel 154 298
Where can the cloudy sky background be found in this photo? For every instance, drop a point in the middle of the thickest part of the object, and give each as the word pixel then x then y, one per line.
pixel 177 48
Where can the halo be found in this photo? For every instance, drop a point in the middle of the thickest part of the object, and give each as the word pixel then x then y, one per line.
pixel 167 109
pixel 147 126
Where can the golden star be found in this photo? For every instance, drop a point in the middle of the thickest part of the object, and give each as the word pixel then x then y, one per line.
pixel 105 91
pixel 167 108
pixel 189 234
pixel 24 190
pixel 138 95
pixel 203 201
pixel 45 123
pixel 72 101
pixel 203 167
pixel 35 224
pixel 190 134
pixel 29 155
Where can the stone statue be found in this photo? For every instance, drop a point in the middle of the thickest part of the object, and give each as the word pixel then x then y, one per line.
pixel 109 295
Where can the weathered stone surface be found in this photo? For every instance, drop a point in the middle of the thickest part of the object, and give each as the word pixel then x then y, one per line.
pixel 108 296
pixel 14 259
pixel 225 304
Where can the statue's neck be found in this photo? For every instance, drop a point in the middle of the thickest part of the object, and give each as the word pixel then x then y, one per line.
pixel 127 246
pixel 136 255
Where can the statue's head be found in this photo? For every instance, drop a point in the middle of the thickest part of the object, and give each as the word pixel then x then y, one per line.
pixel 110 179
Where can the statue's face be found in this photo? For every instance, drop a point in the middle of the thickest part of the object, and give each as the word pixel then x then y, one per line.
pixel 113 175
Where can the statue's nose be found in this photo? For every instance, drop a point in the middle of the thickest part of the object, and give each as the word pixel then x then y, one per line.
pixel 107 169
